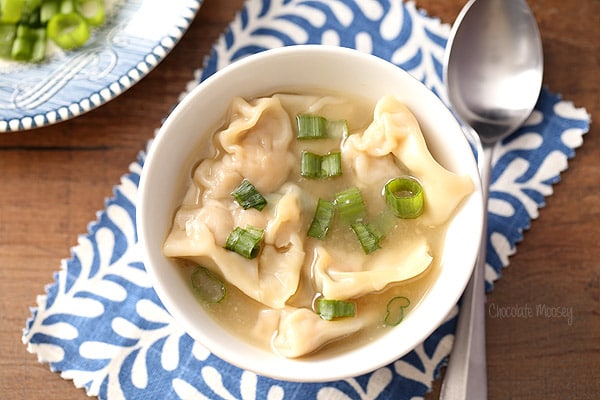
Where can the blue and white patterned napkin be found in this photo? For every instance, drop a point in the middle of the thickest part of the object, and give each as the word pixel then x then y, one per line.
pixel 101 324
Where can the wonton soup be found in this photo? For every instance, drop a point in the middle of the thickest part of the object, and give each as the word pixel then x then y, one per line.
pixel 317 223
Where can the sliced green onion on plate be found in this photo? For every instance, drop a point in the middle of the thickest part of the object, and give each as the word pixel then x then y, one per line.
pixel 92 11
pixel 11 11
pixel 29 44
pixel 68 30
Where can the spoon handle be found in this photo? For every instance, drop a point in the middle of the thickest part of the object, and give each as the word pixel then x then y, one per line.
pixel 466 374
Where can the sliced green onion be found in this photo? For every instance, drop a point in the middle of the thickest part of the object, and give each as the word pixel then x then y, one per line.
pixel 331 165
pixel 322 219
pixel 49 9
pixel 337 129
pixel 351 205
pixel 29 44
pixel 311 126
pixel 8 33
pixel 318 127
pixel 11 10
pixel 405 197
pixel 31 6
pixel 38 50
pixel 31 18
pixel 68 30
pixel 395 310
pixel 207 285
pixel 67 6
pixel 310 165
pixel 91 10
pixel 329 309
pixel 316 166
pixel 247 196
pixel 368 236
pixel 245 242
pixel 66 22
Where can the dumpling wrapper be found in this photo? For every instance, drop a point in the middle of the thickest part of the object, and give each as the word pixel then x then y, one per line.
pixel 302 331
pixel 273 277
pixel 395 130
pixel 397 265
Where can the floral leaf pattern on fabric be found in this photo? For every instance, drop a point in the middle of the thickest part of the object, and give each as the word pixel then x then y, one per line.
pixel 102 325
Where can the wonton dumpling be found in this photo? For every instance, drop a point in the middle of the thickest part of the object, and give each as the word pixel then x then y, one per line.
pixel 257 142
pixel 395 130
pixel 302 331
pixel 273 277
pixel 378 270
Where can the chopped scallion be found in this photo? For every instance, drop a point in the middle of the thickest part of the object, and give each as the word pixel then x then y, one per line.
pixel 245 242
pixel 67 6
pixel 315 166
pixel 322 219
pixel 8 33
pixel 311 126
pixel 351 205
pixel 207 285
pixel 49 9
pixel 310 165
pixel 317 127
pixel 329 309
pixel 91 10
pixel 395 310
pixel 29 44
pixel 247 196
pixel 68 30
pixel 331 164
pixel 368 236
pixel 65 22
pixel 11 11
pixel 337 129
pixel 405 197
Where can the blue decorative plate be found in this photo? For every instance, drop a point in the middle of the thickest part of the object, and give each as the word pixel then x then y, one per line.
pixel 137 35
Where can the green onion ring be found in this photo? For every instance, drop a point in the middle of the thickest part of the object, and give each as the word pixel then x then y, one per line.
pixel 68 30
pixel 404 196
pixel 207 285
pixel 395 310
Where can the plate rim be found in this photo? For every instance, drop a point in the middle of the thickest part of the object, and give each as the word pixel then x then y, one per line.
pixel 135 71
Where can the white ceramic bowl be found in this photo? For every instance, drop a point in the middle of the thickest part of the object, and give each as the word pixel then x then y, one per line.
pixel 179 144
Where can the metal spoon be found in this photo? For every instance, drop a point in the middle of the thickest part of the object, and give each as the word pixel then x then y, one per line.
pixel 493 72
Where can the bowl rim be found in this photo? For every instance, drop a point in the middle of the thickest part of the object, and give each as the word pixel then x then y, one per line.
pixel 302 370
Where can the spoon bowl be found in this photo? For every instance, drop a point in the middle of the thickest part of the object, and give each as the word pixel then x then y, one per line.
pixel 494 66
pixel 493 71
